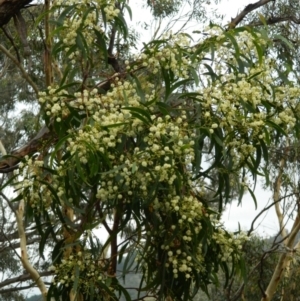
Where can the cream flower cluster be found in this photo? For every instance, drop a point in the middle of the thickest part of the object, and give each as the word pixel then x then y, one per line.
pixel 178 238
pixel 38 196
pixel 54 101
pixel 237 103
pixel 108 5
pixel 75 23
pixel 138 169
pixel 169 55
pixel 65 272
pixel 142 168
pixel 229 243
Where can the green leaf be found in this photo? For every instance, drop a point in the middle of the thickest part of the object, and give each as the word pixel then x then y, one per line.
pixel 276 127
pixel 43 241
pixel 125 293
pixel 167 81
pixel 210 72
pixel 57 251
pixel 140 113
pixel 101 44
pixel 139 89
pixel 128 263
pixel 258 157
pixel 121 25
pixel 42 15
pixel 164 108
pixel 284 40
pixel 81 43
pixel 260 51
pixel 195 76
pixel 64 14
pixel 265 150
pixel 178 84
pixel 76 280
pixel 262 19
pixel 217 139
pixel 234 43
pixel 254 75
pixel 128 9
pixel 253 197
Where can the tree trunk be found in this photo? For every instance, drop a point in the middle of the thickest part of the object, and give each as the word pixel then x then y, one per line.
pixel 8 8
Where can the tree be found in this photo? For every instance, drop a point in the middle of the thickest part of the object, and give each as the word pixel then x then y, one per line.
pixel 124 141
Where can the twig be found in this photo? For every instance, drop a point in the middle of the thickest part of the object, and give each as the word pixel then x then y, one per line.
pixel 265 209
pixel 24 73
pixel 12 42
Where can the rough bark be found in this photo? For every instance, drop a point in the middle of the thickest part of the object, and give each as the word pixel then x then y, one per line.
pixel 8 8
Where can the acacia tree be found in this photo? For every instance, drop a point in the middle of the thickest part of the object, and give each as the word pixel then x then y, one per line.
pixel 123 145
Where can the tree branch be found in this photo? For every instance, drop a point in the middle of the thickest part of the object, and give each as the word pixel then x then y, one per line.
pixel 248 9
pixel 22 278
pixel 264 210
pixel 276 20
pixel 17 244
pixel 14 289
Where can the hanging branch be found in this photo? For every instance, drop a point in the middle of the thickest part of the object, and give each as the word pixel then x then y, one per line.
pixel 24 256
